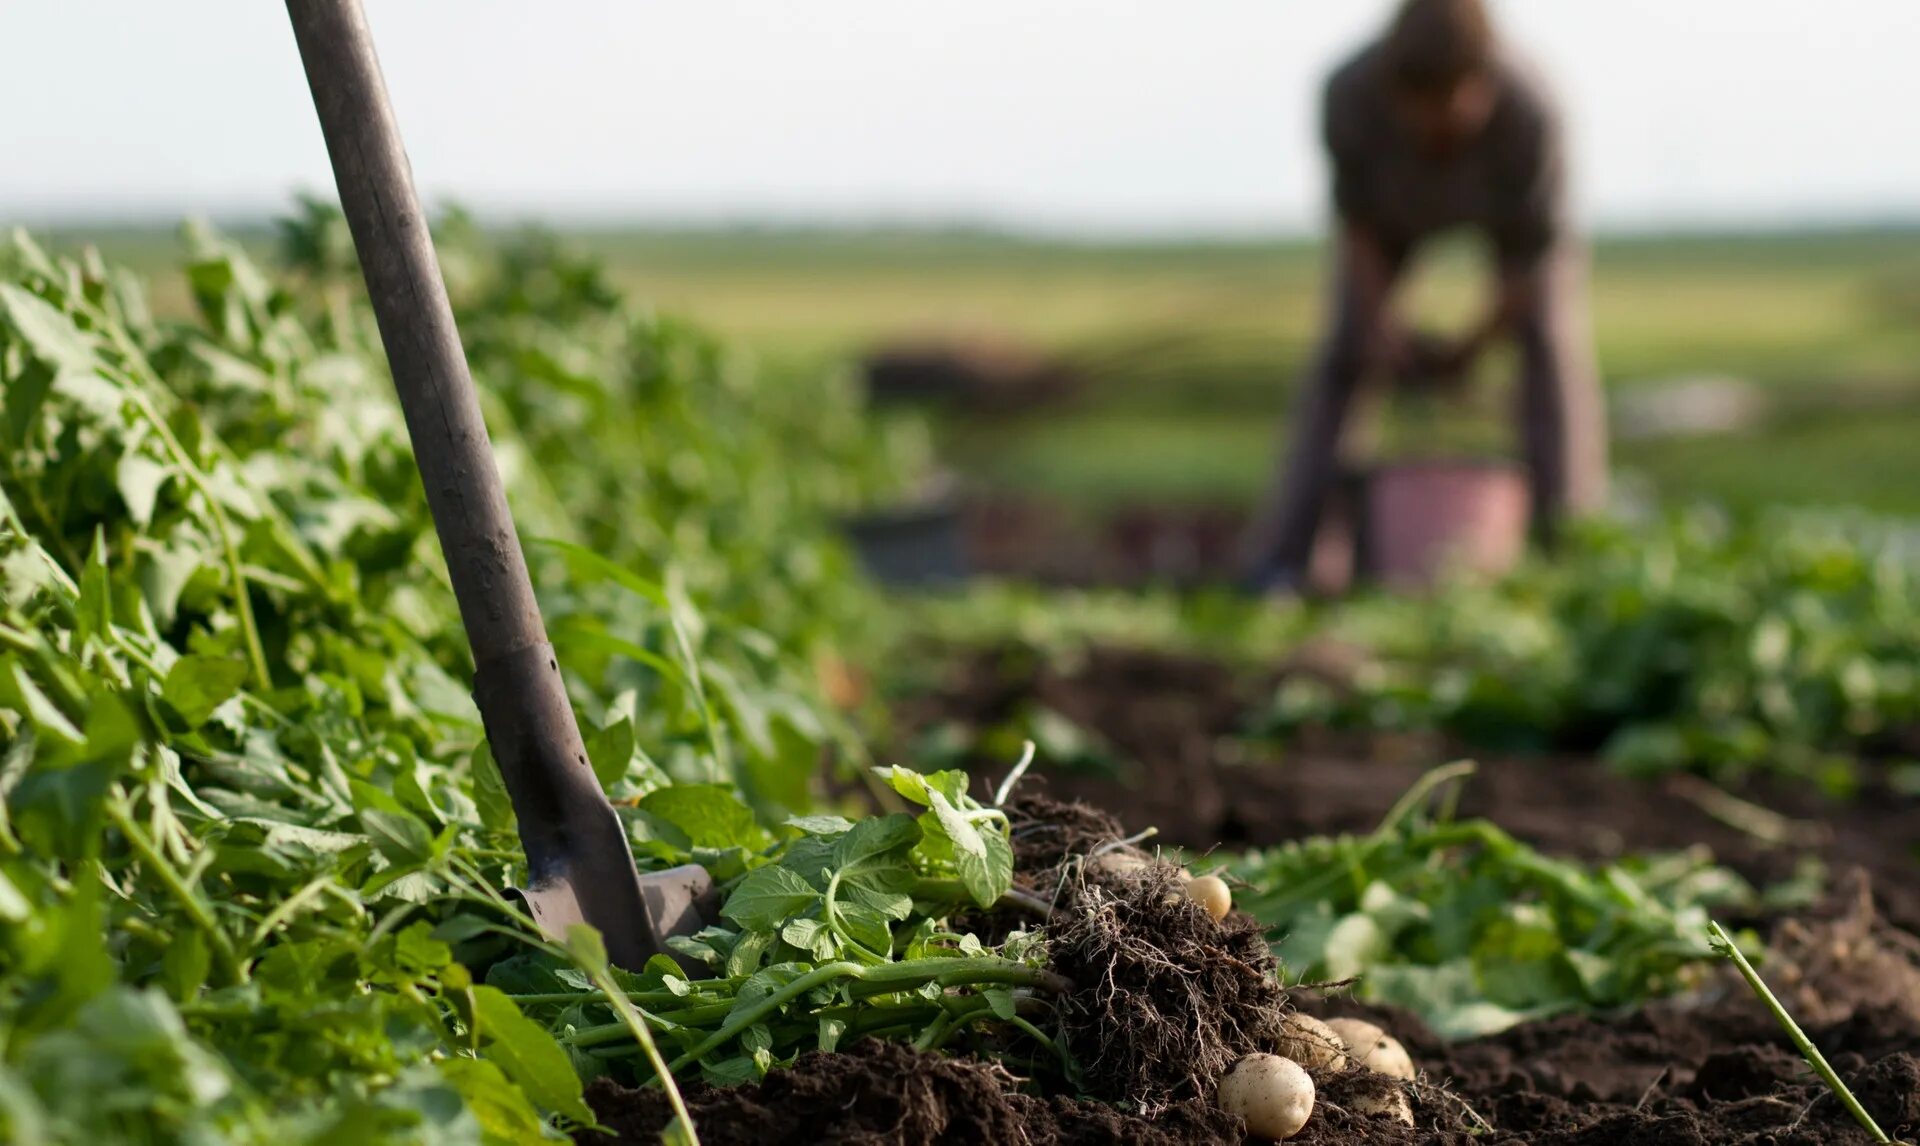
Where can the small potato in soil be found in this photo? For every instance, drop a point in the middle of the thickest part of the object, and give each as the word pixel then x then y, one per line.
pixel 1210 892
pixel 1374 1048
pixel 1120 863
pixel 1373 1096
pixel 1274 1095
pixel 1311 1043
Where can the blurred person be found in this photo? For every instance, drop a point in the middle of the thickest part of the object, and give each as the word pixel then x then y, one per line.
pixel 1433 127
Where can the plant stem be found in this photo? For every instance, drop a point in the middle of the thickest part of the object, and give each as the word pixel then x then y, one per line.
pixel 639 998
pixel 692 1017
pixel 1726 946
pixel 286 908
pixel 635 1022
pixel 242 602
pixel 953 892
pixel 1005 789
pixel 880 980
pixel 224 956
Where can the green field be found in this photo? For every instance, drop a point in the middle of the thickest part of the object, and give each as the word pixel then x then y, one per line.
pixel 1191 347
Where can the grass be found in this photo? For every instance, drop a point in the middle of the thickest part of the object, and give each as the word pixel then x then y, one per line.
pixel 1192 346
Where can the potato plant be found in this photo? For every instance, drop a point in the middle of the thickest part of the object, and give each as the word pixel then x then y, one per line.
pixel 251 844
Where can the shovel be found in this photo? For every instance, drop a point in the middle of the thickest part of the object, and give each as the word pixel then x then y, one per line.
pixel 580 869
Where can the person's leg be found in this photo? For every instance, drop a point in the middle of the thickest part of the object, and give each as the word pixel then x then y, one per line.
pixel 1281 543
pixel 1563 420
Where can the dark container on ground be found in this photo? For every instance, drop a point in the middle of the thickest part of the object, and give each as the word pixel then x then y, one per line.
pixel 919 544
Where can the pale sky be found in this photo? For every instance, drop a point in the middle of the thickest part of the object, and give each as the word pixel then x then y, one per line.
pixel 1097 115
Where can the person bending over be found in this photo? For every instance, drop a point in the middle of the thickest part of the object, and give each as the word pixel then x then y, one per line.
pixel 1437 126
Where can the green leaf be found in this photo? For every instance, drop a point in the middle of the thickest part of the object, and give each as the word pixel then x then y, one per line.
pixel 197 684
pixel 874 840
pixel 15 907
pixel 867 927
pixel 164 576
pixel 416 950
pixel 995 875
pixel 869 893
pixel 95 608
pixel 906 782
pixel 611 751
pixel 184 966
pixel 983 860
pixel 399 835
pixel 527 1054
pixel 1353 946
pixel 810 935
pixel 767 898
pixel 60 811
pixel 746 955
pixel 139 479
pixel 765 982
pixel 1000 999
pixel 500 1107
pixel 490 790
pixel 831 1031
pixel 18 691
pixel 51 335
pixel 711 815
pixel 820 825
pixel 24 396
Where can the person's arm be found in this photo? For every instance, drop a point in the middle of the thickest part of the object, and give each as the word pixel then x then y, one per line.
pixel 1516 293
pixel 1370 272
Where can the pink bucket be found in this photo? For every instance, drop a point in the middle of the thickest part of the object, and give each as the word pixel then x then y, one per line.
pixel 1429 518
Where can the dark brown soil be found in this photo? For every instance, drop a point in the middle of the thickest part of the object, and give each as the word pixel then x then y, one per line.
pixel 1176 722
pixel 886 1094
pixel 1722 1072
pixel 1035 541
pixel 1046 833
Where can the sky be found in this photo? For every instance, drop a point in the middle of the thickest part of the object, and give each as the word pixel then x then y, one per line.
pixel 1096 116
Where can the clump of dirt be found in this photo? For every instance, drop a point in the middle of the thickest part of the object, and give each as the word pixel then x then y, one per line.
pixel 1838 957
pixel 1045 832
pixel 876 1093
pixel 1165 999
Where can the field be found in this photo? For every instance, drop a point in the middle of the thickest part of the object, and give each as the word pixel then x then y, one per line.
pixel 1009 862
pixel 1191 348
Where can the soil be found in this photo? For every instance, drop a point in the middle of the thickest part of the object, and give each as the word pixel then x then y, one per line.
pixel 1038 541
pixel 1177 723
pixel 1722 1072
pixel 1186 546
pixel 1714 1068
pixel 886 1094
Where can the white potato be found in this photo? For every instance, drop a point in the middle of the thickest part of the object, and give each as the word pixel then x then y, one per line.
pixel 1274 1095
pixel 1374 1048
pixel 1377 1096
pixel 1311 1043
pixel 1120 863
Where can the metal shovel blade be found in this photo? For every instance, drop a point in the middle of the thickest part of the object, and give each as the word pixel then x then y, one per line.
pixel 677 901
